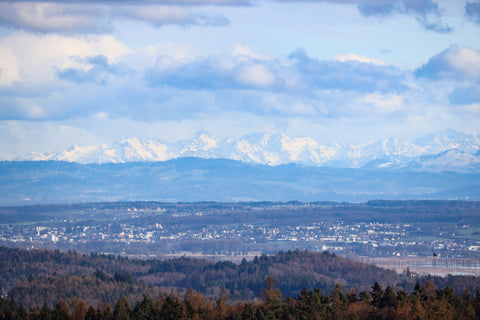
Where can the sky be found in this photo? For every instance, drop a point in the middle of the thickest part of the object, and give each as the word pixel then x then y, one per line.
pixel 338 71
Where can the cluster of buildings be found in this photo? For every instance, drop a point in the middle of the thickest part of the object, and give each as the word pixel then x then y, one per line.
pixel 160 233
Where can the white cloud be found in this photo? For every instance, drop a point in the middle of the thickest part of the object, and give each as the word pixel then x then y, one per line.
pixel 464 60
pixel 232 92
pixel 385 103
pixel 301 108
pixel 454 72
pixel 301 74
pixel 65 17
pixel 473 108
pixel 157 15
pixel 47 17
pixel 147 56
pixel 38 57
pixel 456 62
pixel 256 75
pixel 101 116
pixel 243 52
pixel 426 12
pixel 9 66
pixel 34 111
pixel 359 58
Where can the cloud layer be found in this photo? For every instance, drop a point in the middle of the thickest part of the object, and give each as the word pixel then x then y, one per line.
pixel 426 12
pixel 88 16
pixel 70 17
pixel 472 10
pixel 459 63
pixel 103 70
pixel 96 79
pixel 459 66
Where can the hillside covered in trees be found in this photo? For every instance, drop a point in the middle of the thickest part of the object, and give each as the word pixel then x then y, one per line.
pixel 424 302
pixel 35 277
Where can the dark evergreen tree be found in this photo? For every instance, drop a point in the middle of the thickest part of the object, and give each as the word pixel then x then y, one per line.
pixel 122 310
pixel 172 309
pixel 60 312
pixel 389 298
pixel 92 314
pixel 144 310
pixel 376 294
pixel 249 312
pixel 45 313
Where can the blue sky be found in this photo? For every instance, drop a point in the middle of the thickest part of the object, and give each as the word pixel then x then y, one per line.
pixel 348 71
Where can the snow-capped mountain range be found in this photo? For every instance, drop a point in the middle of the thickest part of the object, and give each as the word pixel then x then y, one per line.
pixel 445 151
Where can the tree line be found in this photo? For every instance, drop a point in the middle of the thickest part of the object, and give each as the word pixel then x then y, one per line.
pixel 424 302
pixel 37 276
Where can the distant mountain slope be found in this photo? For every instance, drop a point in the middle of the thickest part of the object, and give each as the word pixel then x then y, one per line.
pixel 277 149
pixel 194 179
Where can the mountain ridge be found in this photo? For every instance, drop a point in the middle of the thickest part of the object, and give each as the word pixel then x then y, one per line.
pixel 197 179
pixel 278 148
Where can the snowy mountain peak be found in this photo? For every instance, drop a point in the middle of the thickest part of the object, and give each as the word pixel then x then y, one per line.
pixel 450 149
pixel 205 140
pixel 448 139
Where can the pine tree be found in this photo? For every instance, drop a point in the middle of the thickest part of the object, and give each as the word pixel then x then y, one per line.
pixel 122 310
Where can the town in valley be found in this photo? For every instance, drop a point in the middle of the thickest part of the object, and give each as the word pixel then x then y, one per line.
pixel 397 230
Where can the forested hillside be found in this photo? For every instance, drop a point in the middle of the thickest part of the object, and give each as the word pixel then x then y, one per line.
pixel 34 277
pixel 26 273
pixel 424 302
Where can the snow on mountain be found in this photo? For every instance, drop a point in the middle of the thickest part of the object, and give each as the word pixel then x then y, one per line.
pixel 133 149
pixel 306 150
pixel 394 152
pixel 449 139
pixel 275 149
pixel 447 150
pixel 260 148
pixel 202 145
pixel 450 160
pixel 38 156
pixel 127 150
pixel 85 154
